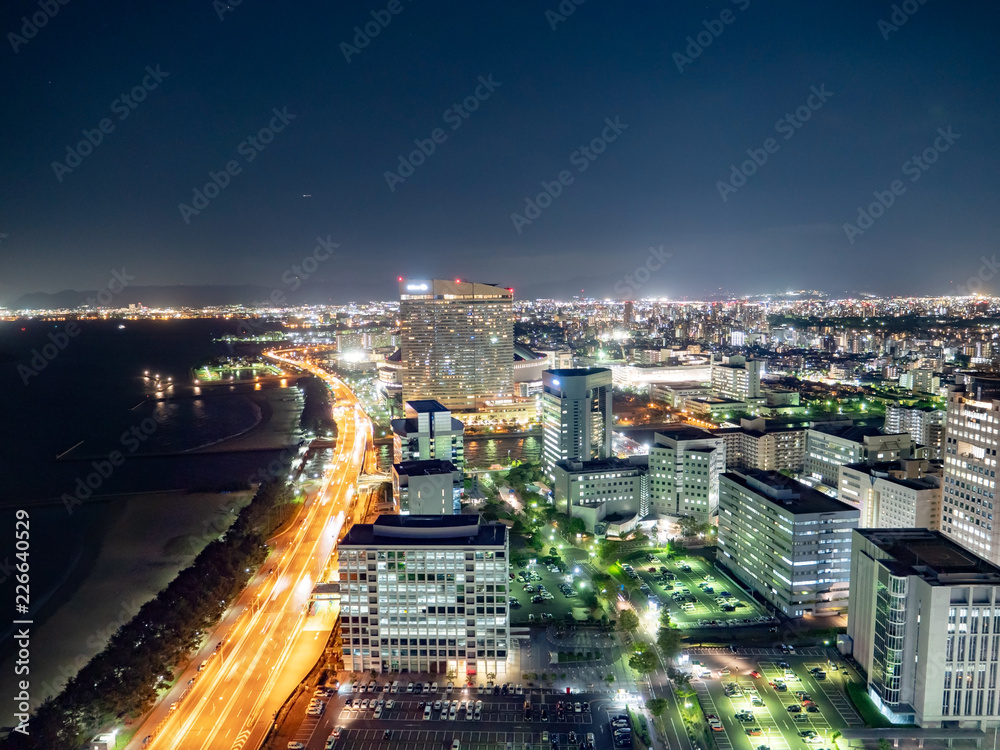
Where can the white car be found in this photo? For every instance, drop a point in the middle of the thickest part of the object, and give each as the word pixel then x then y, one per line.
pixel 296 746
pixel 437 705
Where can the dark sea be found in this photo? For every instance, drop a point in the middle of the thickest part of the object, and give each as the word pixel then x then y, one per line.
pixel 93 390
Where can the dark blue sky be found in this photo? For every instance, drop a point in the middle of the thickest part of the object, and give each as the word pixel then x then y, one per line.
pixel 655 184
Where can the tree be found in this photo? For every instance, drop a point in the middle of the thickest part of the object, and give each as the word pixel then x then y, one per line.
pixel 628 620
pixel 644 659
pixel 657 706
pixel 669 641
pixel 691 526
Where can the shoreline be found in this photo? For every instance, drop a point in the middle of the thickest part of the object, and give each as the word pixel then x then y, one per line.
pixel 148 539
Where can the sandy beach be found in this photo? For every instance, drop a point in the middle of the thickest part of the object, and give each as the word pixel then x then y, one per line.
pixel 151 539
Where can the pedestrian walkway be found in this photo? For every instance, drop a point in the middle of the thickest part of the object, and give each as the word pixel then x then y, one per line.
pixel 811 651
pixel 722 740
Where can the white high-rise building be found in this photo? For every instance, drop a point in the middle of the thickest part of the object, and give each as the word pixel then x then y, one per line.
pixel 425 594
pixel 972 437
pixel 576 415
pixel 738 378
pixel 684 468
pixel 831 446
pixel 924 425
pixel 428 432
pixel 456 342
pixel 786 541
pixel 897 495
pixel 924 625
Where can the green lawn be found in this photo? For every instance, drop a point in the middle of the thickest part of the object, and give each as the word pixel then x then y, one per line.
pixel 872 717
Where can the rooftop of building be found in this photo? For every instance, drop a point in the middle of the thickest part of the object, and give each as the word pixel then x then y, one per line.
pixel 683 432
pixel 409 425
pixel 932 556
pixel 612 463
pixel 577 372
pixel 884 469
pixel 426 531
pixel 428 468
pixel 852 432
pixel 426 406
pixel 787 493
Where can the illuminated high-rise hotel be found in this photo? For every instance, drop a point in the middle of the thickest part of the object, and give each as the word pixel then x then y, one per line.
pixel 456 342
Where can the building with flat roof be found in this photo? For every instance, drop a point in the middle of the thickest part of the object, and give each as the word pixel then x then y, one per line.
pixel 787 542
pixel 764 444
pixel 828 447
pixel 737 378
pixel 429 488
pixel 924 625
pixel 425 594
pixel 456 341
pixel 428 432
pixel 684 468
pixel 972 439
pixel 595 490
pixel 577 416
pixel 925 425
pixel 894 495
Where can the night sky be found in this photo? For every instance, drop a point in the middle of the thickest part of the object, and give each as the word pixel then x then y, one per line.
pixel 548 92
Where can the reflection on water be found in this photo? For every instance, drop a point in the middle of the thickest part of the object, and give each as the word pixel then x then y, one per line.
pixel 481 453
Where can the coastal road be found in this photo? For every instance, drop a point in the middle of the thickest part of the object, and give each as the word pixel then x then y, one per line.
pixel 272 637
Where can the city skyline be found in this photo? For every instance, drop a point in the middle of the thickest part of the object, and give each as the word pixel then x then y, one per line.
pixel 625 152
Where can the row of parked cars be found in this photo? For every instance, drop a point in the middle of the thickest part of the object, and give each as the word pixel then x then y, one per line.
pixel 621 730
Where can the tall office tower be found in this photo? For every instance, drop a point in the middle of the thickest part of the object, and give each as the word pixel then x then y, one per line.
pixel 629 314
pixel 684 468
pixel 456 342
pixel 923 626
pixel 428 432
pixel 970 466
pixel 425 594
pixel 576 415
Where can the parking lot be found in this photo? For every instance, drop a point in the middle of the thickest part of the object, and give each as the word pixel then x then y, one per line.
pixel 529 612
pixel 695 596
pixel 502 720
pixel 753 711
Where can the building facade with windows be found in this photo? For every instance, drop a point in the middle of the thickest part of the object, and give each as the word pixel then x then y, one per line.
pixel 924 425
pixel 577 416
pixel 972 438
pixel 786 541
pixel 425 594
pixel 607 488
pixel 684 468
pixel 456 341
pixel 830 447
pixel 737 378
pixel 427 488
pixel 924 625
pixel 428 432
pixel 895 495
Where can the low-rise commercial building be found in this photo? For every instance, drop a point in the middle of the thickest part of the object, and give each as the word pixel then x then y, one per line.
pixel 787 542
pixel 924 625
